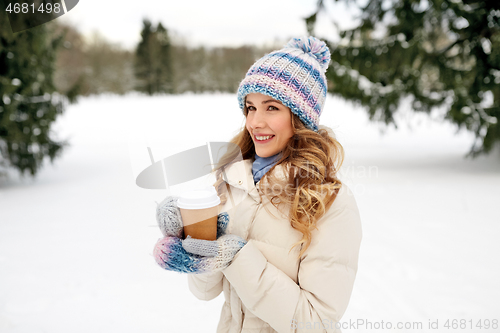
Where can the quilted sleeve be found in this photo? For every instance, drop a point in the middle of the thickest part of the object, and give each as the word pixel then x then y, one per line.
pixel 205 286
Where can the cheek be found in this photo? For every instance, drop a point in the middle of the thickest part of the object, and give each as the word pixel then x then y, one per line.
pixel 284 128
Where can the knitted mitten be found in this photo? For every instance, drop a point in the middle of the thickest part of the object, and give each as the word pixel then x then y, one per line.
pixel 169 218
pixel 170 254
pixel 217 254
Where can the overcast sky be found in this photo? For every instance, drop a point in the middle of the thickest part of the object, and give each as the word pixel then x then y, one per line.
pixel 201 22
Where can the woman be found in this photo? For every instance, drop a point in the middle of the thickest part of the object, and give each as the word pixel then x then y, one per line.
pixel 287 252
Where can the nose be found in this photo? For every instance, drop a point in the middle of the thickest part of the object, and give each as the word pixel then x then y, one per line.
pixel 256 120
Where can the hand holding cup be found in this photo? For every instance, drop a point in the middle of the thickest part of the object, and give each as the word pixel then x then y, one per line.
pixel 194 255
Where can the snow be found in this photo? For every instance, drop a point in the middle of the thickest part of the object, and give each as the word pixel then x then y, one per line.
pixel 76 243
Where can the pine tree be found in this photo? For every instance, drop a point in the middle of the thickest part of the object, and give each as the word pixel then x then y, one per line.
pixel 164 70
pixel 153 64
pixel 143 65
pixel 28 102
pixel 441 53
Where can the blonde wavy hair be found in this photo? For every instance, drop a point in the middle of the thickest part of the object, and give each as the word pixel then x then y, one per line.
pixel 312 160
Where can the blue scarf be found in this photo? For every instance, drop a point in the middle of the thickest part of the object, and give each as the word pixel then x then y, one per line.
pixel 261 165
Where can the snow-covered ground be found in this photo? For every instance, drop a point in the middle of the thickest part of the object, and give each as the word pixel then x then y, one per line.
pixel 76 243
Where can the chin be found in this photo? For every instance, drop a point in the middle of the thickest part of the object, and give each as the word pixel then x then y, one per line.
pixel 264 154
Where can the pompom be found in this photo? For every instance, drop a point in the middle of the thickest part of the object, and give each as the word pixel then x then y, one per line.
pixel 314 46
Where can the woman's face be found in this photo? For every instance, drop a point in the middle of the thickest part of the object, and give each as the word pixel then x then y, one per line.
pixel 268 117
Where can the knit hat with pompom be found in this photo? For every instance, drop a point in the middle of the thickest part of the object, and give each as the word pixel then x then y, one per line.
pixel 294 75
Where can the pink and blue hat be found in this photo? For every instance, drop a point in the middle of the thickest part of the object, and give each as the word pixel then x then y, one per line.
pixel 294 75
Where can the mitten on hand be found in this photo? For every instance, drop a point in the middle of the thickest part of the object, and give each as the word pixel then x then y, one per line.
pixel 169 219
pixel 170 253
pixel 216 255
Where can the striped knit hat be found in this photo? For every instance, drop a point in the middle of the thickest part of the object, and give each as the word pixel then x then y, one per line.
pixel 294 75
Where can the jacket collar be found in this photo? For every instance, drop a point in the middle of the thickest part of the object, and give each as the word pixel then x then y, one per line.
pixel 239 175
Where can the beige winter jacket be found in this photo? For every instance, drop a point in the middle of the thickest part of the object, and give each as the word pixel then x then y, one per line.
pixel 266 287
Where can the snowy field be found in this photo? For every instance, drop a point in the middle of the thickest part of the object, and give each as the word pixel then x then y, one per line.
pixel 76 243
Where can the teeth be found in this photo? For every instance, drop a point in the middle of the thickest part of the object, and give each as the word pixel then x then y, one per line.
pixel 263 137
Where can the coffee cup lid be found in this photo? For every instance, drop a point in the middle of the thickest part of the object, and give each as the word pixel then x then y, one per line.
pixel 199 198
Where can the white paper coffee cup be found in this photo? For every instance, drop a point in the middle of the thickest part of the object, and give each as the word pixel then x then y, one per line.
pixel 199 210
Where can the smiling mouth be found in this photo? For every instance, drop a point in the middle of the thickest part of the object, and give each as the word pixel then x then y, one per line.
pixel 264 139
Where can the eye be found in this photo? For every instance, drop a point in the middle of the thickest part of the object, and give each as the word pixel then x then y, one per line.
pixel 250 108
pixel 272 108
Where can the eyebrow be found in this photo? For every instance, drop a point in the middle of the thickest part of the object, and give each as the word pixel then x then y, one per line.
pixel 265 102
